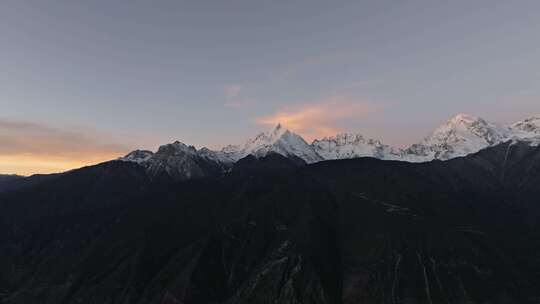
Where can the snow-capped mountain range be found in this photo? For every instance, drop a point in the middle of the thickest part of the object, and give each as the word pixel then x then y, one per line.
pixel 461 135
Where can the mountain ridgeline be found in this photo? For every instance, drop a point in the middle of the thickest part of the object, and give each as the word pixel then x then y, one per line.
pixel 276 229
pixel 459 136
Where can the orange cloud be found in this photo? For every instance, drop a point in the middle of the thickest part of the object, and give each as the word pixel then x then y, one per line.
pixel 319 119
pixel 29 148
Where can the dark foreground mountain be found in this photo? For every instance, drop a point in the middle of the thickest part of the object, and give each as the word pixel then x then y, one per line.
pixel 347 231
pixel 6 179
pixel 15 182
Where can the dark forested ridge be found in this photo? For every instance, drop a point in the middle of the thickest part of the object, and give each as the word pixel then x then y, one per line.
pixel 7 179
pixel 347 231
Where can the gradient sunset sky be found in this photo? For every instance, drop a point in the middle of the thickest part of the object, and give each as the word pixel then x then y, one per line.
pixel 86 81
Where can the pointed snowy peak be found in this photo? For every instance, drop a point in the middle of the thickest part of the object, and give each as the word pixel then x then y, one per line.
pixel 279 130
pixel 282 141
pixel 465 127
pixel 264 139
pixel 461 135
pixel 464 118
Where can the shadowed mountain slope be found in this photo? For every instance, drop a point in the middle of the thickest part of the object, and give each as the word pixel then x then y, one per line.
pixel 347 231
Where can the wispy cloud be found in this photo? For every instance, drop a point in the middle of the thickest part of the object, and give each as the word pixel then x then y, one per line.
pixel 320 118
pixel 240 103
pixel 232 90
pixel 28 148
pixel 235 96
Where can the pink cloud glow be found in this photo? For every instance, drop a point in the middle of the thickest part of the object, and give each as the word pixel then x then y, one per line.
pixel 321 118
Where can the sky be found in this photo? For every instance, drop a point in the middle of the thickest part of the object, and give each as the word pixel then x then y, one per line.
pixel 87 81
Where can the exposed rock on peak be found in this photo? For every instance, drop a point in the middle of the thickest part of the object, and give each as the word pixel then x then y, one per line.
pixel 178 161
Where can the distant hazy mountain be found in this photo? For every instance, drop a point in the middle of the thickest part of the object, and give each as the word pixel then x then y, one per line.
pixel 459 136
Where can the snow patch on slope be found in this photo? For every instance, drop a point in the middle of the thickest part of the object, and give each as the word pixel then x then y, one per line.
pixel 526 128
pixel 138 156
pixel 347 145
